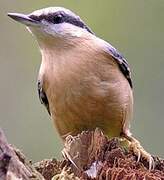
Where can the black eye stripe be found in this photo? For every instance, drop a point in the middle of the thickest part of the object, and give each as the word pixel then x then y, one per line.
pixel 37 18
pixel 60 17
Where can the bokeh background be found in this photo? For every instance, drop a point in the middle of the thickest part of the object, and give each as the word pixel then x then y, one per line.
pixel 136 28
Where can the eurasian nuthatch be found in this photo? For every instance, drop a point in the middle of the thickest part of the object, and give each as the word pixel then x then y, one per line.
pixel 83 81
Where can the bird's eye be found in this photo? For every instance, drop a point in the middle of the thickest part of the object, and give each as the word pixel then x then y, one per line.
pixel 57 19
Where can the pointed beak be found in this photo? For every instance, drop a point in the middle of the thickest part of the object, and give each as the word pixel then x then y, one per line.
pixel 24 19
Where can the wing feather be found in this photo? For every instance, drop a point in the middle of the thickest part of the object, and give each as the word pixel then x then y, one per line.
pixel 42 96
pixel 122 63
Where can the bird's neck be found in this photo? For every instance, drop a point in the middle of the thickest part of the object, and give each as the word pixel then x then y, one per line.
pixel 55 50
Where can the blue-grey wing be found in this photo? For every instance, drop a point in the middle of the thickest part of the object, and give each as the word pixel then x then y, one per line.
pixel 122 63
pixel 42 96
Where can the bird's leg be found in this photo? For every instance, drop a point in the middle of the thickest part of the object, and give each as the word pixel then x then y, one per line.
pixel 138 150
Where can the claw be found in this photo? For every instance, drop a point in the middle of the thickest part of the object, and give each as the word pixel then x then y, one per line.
pixel 66 151
pixel 138 150
pixel 151 164
pixel 139 156
pixel 66 155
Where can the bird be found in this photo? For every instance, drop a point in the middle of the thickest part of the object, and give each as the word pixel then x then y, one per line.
pixel 83 81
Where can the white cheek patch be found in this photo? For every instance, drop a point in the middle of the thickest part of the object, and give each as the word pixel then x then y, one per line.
pixel 49 28
pixel 55 29
pixel 77 33
pixel 62 29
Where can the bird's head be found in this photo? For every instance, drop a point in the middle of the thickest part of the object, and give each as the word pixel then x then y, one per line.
pixel 53 22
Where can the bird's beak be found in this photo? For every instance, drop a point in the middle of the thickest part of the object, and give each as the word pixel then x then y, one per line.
pixel 24 19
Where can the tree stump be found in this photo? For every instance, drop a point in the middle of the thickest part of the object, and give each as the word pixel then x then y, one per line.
pixel 89 155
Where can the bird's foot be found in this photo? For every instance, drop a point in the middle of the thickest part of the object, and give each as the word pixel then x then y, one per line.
pixel 67 154
pixel 139 151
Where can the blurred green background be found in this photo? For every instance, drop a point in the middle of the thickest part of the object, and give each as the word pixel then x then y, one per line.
pixel 136 28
